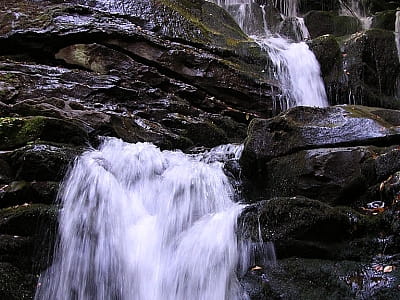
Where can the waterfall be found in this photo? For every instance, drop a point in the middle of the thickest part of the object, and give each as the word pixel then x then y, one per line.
pixel 295 66
pixel 144 224
pixel 356 8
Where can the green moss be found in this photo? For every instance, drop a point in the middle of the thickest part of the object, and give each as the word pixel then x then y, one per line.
pixel 15 132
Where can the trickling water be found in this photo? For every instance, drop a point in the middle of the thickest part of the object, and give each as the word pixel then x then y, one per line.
pixel 294 65
pixel 140 223
pixel 288 8
pixel 397 32
pixel 356 8
pixel 397 38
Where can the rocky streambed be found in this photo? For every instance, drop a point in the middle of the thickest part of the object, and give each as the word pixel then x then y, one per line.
pixel 322 183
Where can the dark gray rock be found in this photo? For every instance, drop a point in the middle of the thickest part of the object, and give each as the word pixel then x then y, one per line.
pixel 309 128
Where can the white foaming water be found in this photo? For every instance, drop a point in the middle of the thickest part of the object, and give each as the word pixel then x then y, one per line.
pixel 294 64
pixel 138 223
pixel 355 8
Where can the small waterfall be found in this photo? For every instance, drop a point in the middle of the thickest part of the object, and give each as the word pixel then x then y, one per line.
pixel 294 65
pixel 144 224
pixel 356 8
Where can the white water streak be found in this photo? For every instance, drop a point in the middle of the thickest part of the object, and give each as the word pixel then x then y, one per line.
pixel 355 8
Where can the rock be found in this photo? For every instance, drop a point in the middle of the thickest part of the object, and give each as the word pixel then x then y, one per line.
pixel 334 175
pixel 384 20
pixel 13 284
pixel 328 5
pixel 327 51
pixel 371 67
pixel 42 162
pixel 6 174
pixel 324 22
pixel 21 192
pixel 16 193
pixel 296 278
pixel 334 168
pixel 296 218
pixel 381 5
pixel 15 132
pixel 26 220
pixel 309 128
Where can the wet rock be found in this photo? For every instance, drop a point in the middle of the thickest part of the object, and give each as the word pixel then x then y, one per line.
pixel 384 20
pixel 42 162
pixel 6 173
pixel 21 192
pixel 327 51
pixel 15 193
pixel 297 218
pixel 206 134
pixel 328 5
pixel 296 278
pixel 26 220
pixel 334 175
pixel 324 22
pixel 371 67
pixel 13 283
pixel 378 5
pixel 309 128
pixel 15 132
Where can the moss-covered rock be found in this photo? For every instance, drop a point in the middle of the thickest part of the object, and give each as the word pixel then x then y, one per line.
pixel 372 69
pixel 384 20
pixel 308 128
pixel 15 132
pixel 325 22
pixel 42 162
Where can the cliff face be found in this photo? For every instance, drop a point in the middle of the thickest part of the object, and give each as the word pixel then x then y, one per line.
pixel 182 75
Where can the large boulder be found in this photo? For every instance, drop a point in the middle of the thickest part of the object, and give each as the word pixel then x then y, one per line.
pixel 325 22
pixel 322 153
pixel 371 70
pixel 311 127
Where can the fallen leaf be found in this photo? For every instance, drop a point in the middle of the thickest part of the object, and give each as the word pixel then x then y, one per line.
pixel 388 269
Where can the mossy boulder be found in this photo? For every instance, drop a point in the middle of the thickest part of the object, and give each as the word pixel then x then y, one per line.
pixel 42 162
pixel 327 51
pixel 325 22
pixel 384 20
pixel 296 218
pixel 303 128
pixel 372 69
pixel 15 132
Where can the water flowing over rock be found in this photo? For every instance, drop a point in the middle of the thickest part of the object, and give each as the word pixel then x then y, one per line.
pixel 138 223
pixel 320 185
pixel 293 64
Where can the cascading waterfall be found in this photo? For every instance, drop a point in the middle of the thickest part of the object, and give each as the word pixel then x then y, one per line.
pixel 140 223
pixel 294 65
pixel 355 8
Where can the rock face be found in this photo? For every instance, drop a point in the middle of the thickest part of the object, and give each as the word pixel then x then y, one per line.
pixel 323 153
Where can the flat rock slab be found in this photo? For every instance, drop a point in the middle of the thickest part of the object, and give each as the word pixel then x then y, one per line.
pixel 303 128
